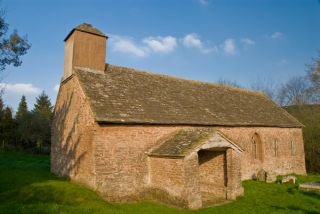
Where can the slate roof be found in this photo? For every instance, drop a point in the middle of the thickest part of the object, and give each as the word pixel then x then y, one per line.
pixel 181 142
pixel 88 28
pixel 129 96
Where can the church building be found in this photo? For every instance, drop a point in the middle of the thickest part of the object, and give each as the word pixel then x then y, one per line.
pixel 135 135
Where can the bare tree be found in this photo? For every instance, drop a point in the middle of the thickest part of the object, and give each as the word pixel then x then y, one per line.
pixel 296 91
pixel 268 87
pixel 228 83
pixel 313 74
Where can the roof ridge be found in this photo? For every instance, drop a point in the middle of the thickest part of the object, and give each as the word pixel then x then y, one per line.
pixel 87 28
pixel 189 80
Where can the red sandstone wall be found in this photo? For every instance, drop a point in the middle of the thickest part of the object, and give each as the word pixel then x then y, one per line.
pixel 113 158
pixel 167 174
pixel 192 185
pixel 284 163
pixel 213 172
pixel 121 160
pixel 72 131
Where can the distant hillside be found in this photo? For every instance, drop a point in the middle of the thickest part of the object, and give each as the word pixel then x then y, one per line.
pixel 309 115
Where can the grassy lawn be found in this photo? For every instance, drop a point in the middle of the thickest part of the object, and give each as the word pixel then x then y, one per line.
pixel 26 186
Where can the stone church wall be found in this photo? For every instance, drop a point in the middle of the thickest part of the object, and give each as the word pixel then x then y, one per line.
pixel 113 158
pixel 73 128
pixel 290 150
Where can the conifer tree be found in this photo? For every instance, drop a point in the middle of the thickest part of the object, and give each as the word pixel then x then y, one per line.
pixel 1 124
pixel 43 106
pixel 41 123
pixel 1 108
pixel 7 128
pixel 22 108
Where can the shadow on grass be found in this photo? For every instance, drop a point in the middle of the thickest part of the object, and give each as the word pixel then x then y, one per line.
pixel 293 189
pixel 315 195
pixel 295 209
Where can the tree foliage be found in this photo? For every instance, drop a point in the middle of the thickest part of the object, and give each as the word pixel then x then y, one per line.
pixel 33 128
pixel 309 115
pixel 41 122
pixel 313 72
pixel 22 108
pixel 43 106
pixel 12 47
pixel 7 126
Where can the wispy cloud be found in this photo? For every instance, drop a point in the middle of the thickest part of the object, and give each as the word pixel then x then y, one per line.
pixel 161 44
pixel 203 2
pixel 144 48
pixel 192 40
pixel 247 41
pixel 282 62
pixel 167 44
pixel 275 35
pixel 128 46
pixel 229 46
pixel 20 88
pixel 56 87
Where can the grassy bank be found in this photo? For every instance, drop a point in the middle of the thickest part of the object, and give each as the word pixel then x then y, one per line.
pixel 26 186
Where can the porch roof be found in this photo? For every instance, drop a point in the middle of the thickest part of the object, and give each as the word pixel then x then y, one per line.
pixel 184 141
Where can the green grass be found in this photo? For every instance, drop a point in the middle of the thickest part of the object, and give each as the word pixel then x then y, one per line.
pixel 26 186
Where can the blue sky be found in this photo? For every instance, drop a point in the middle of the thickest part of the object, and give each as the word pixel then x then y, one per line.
pixel 206 40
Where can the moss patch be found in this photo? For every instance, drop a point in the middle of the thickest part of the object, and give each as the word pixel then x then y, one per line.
pixel 180 143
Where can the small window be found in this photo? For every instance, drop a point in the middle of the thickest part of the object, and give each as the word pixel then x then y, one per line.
pixel 293 148
pixel 257 152
pixel 254 149
pixel 276 148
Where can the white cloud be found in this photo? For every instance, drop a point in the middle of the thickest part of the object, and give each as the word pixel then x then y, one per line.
pixel 20 88
pixel 229 46
pixel 161 44
pixel 192 40
pixel 276 35
pixel 247 41
pixel 167 44
pixel 127 46
pixel 56 87
pixel 148 45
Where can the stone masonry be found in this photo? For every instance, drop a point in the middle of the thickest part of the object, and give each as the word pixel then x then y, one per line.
pixel 129 160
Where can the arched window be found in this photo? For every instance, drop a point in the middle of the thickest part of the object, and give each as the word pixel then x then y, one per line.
pixel 293 148
pixel 254 149
pixel 257 147
pixel 276 148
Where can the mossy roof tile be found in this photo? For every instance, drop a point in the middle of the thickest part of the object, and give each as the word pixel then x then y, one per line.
pixel 124 95
pixel 181 142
